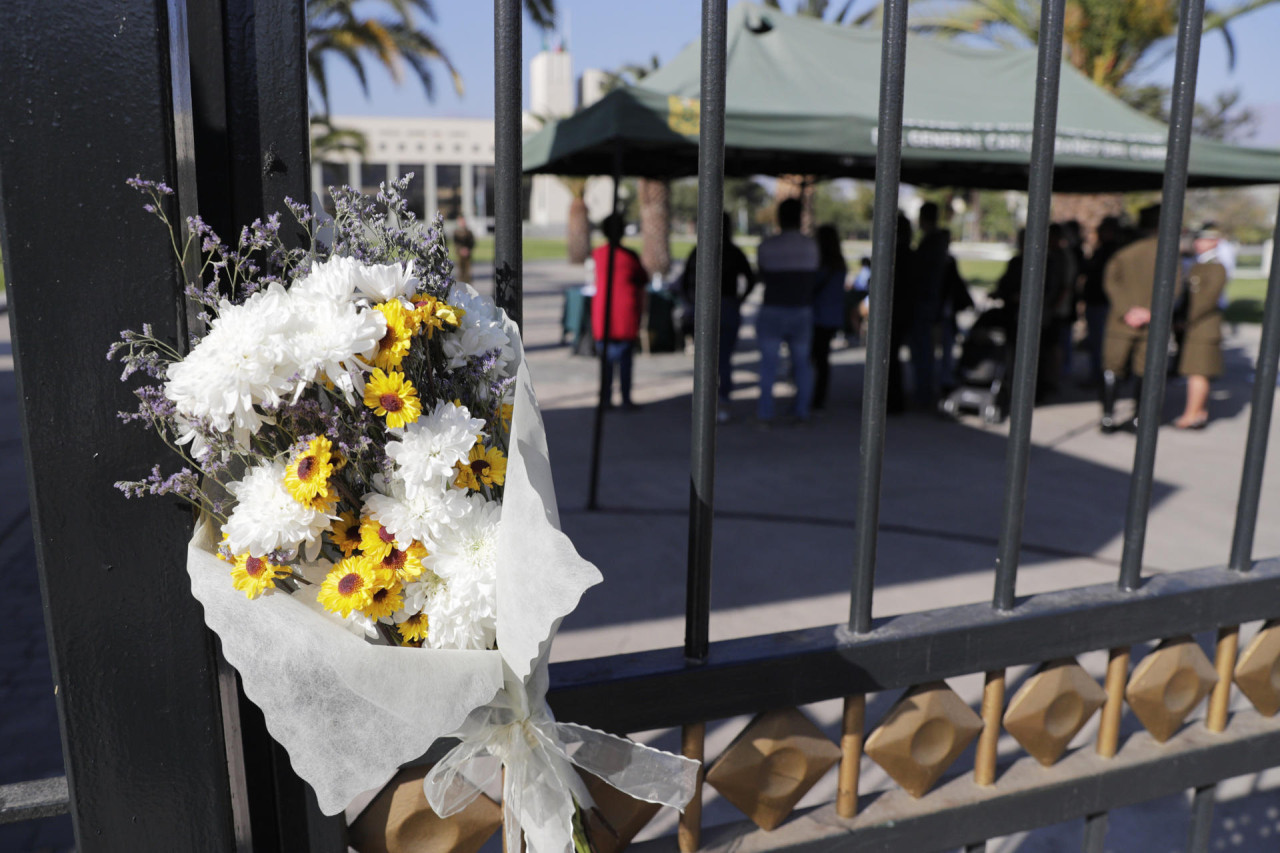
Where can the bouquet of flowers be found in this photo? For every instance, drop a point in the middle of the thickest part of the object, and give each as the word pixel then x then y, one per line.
pixel 361 437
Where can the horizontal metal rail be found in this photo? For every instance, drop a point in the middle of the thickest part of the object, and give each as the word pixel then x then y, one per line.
pixel 33 800
pixel 1025 796
pixel 658 689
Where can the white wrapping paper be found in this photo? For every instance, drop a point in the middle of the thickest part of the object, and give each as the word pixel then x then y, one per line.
pixel 350 713
pixel 540 789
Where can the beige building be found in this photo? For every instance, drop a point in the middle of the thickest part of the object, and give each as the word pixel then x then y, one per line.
pixel 452 158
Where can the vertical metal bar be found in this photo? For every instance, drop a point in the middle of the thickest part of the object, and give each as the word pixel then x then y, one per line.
pixel 1034 261
pixel 1225 664
pixel 1255 449
pixel 1201 819
pixel 1109 725
pixel 852 732
pixel 508 251
pixel 1095 833
pixel 689 831
pixel 605 391
pixel 132 695
pixel 984 763
pixel 1190 24
pixel 893 61
pixel 706 324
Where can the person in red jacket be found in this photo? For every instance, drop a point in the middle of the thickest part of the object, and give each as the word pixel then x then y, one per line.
pixel 616 340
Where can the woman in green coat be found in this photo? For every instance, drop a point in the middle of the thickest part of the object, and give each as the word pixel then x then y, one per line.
pixel 1202 347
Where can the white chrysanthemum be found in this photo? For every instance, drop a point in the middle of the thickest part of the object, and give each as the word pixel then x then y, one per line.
pixel 361 625
pixel 267 518
pixel 479 330
pixel 423 517
pixel 334 279
pixel 428 448
pixel 329 336
pixel 384 282
pixel 462 606
pixel 235 366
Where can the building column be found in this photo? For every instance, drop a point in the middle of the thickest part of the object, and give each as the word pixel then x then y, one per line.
pixel 430 202
pixel 468 192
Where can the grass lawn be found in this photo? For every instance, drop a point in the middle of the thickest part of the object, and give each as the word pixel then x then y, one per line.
pixel 1244 300
pixel 553 248
pixel 981 273
pixel 1245 296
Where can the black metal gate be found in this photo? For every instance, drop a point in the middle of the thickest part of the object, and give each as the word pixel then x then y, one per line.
pixel 161 752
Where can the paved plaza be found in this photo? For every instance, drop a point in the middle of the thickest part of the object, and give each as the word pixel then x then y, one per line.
pixel 783 550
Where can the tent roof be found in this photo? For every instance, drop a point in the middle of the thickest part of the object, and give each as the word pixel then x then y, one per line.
pixel 802 96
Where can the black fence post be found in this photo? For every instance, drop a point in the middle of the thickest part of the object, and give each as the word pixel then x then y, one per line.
pixel 87 103
pixel 252 151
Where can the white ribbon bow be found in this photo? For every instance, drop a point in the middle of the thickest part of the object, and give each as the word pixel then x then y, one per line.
pixel 541 786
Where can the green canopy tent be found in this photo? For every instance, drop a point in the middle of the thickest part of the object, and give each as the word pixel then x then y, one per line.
pixel 802 97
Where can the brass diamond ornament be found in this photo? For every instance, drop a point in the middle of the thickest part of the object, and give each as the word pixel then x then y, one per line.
pixel 1052 707
pixel 1258 670
pixel 922 735
pixel 776 759
pixel 1168 684
pixel 399 820
pixel 616 818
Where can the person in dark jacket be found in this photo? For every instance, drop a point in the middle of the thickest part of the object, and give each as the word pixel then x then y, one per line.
pixel 931 266
pixel 788 266
pixel 904 283
pixel 828 309
pixel 1094 295
pixel 734 268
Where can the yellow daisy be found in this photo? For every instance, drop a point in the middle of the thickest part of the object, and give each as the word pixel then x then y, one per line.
pixel 405 564
pixel 387 597
pixel 349 586
pixel 255 575
pixel 376 541
pixel 431 313
pixel 482 468
pixel 345 534
pixel 414 628
pixel 307 476
pixel 504 412
pixel 325 502
pixel 401 324
pixel 393 396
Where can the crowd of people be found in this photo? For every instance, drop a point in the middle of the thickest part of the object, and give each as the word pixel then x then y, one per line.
pixel 1097 300
pixel 1111 289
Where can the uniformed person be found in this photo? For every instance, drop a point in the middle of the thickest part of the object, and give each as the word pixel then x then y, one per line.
pixel 1202 346
pixel 1129 280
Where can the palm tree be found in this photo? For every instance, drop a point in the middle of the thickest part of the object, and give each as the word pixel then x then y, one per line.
pixel 653 194
pixel 578 228
pixel 345 30
pixel 1110 41
pixel 1113 42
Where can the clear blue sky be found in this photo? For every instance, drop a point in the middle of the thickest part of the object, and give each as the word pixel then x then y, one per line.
pixel 610 33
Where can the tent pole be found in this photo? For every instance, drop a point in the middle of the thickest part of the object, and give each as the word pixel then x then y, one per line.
pixel 602 401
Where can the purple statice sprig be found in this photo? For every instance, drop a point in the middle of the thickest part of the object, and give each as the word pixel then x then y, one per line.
pixel 184 483
pixel 142 352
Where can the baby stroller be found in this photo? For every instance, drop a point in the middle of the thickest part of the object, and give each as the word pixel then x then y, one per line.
pixel 982 370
